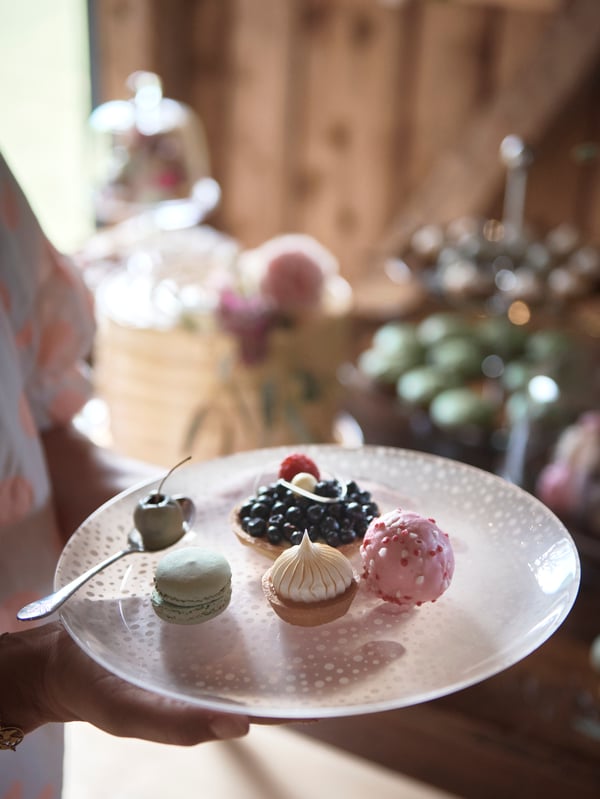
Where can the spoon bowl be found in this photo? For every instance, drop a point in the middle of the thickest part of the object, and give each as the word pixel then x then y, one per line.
pixel 47 605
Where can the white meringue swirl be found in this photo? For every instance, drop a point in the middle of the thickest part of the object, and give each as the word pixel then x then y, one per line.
pixel 310 572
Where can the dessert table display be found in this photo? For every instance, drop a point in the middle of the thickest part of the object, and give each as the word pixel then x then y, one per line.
pixel 500 359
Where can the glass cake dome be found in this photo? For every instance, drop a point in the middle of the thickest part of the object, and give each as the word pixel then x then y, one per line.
pixel 148 151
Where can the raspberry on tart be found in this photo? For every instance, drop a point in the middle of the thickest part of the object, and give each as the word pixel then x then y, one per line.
pixel 295 463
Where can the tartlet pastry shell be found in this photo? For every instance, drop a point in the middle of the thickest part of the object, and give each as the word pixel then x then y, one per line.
pixel 309 614
pixel 273 551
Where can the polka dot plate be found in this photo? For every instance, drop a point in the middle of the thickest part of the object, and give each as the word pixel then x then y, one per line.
pixel 516 577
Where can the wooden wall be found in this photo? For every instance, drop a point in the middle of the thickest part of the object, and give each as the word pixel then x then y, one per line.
pixel 357 120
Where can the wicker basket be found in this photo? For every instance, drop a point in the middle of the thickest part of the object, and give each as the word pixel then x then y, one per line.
pixel 176 392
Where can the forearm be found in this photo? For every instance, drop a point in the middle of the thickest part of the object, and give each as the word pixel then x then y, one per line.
pixel 25 658
pixel 84 476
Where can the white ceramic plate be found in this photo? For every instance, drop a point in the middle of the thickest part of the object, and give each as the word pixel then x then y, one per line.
pixel 516 577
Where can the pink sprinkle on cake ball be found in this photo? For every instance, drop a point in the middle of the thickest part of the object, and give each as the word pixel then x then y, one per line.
pixel 406 558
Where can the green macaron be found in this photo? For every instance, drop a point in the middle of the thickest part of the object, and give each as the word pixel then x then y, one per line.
pixel 191 585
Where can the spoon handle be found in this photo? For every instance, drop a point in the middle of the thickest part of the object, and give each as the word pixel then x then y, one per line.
pixel 46 605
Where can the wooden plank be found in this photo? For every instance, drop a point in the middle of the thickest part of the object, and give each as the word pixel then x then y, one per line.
pixel 377 84
pixel 449 80
pixel 255 169
pixel 547 6
pixel 467 176
pixel 210 25
pixel 461 754
pixel 124 40
pixel 173 45
pixel 589 190
pixel 518 34
pixel 322 153
pixel 557 175
pixel 354 78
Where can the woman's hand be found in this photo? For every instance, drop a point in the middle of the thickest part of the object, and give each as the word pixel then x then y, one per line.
pixel 45 677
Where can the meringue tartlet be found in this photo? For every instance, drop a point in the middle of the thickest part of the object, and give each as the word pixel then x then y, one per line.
pixel 310 584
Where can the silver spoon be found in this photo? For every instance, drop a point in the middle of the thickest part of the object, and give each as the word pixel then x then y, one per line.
pixel 46 605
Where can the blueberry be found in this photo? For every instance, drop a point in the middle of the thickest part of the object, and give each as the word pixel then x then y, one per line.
pixel 294 515
pixel 274 535
pixel 327 488
pixel 297 537
pixel 333 539
pixel 288 529
pixel 260 510
pixel 329 525
pixel 244 521
pixel 354 510
pixel 256 527
pixel 347 536
pixel 314 533
pixel 279 507
pixel 315 513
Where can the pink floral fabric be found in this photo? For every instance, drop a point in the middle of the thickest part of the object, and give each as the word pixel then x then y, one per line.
pixel 46 330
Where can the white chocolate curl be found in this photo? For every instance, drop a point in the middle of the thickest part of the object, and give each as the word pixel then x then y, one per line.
pixel 310 572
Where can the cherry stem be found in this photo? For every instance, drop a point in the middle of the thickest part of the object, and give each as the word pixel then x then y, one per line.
pixel 177 465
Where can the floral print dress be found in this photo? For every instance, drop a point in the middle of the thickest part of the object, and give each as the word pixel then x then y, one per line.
pixel 46 330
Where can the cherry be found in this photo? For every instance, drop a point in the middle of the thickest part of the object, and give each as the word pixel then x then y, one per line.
pixel 159 517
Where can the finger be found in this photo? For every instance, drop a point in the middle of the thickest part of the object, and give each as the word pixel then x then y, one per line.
pixel 134 713
pixel 273 721
pixel 89 692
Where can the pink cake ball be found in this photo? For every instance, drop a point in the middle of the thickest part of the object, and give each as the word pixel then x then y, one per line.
pixel 406 558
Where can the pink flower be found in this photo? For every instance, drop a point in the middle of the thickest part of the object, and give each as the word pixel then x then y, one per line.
pixel 556 487
pixel 293 281
pixel 250 320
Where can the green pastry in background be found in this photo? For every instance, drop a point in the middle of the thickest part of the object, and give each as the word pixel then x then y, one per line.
pixel 458 355
pixel 460 407
pixel 420 385
pixel 394 349
pixel 438 326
